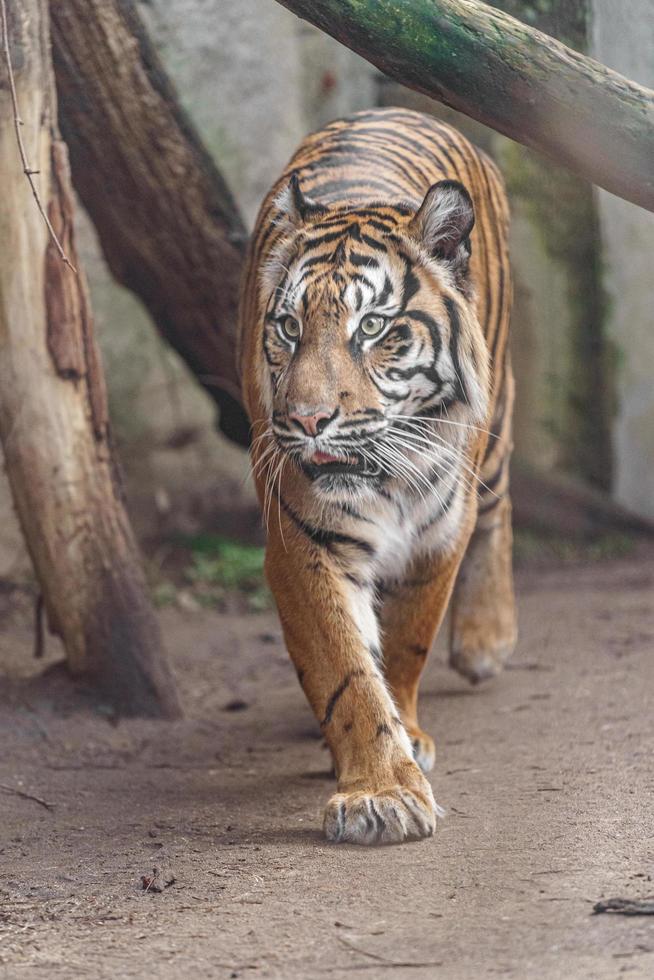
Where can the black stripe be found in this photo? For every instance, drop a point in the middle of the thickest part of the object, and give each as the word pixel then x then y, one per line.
pixel 410 284
pixel 455 329
pixel 363 184
pixel 373 150
pixel 408 167
pixel 329 236
pixel 385 294
pixel 356 258
pixel 357 277
pixel 373 243
pixel 323 538
pixel 380 225
pixel 365 160
pixel 338 693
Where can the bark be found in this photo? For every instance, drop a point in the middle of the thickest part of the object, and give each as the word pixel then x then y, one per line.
pixel 166 221
pixel 53 407
pixel 511 77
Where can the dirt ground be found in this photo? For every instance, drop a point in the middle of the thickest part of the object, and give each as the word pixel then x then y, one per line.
pixel 546 775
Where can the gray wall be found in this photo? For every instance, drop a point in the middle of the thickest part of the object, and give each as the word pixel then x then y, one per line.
pixel 623 39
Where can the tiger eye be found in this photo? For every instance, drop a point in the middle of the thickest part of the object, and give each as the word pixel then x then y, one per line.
pixel 290 328
pixel 372 325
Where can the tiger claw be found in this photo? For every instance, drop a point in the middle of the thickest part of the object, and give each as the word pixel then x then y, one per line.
pixel 389 816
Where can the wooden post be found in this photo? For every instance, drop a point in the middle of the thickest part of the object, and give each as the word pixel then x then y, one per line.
pixel 511 77
pixel 53 408
pixel 167 223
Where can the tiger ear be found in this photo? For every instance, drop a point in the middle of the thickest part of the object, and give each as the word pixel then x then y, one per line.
pixel 443 223
pixel 294 207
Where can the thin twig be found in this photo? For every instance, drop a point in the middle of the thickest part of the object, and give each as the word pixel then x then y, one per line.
pixel 18 122
pixel 26 796
pixel 384 961
pixel 625 906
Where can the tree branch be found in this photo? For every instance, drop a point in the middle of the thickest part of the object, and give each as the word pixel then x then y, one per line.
pixel 511 77
pixel 167 223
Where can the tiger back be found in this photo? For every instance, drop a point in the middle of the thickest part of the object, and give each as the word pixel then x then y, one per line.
pixel 373 356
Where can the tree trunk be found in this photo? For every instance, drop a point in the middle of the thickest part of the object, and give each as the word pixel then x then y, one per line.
pixel 511 77
pixel 53 407
pixel 167 224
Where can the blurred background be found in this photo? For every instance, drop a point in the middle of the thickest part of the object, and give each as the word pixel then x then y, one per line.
pixel 255 79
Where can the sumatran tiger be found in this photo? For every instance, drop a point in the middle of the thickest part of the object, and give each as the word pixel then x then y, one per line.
pixel 374 364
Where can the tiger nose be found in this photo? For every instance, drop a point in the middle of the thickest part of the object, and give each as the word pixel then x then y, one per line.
pixel 312 420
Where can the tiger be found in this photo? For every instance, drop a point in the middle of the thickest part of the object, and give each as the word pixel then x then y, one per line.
pixel 373 327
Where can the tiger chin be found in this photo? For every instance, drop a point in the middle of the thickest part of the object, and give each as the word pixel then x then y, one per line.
pixel 373 329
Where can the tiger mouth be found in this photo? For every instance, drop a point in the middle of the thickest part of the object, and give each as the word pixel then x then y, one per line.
pixel 324 459
pixel 322 464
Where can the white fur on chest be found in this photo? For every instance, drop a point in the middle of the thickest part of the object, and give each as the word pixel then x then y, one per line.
pixel 401 530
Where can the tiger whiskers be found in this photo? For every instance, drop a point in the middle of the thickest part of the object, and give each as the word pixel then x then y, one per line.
pixel 425 438
pixel 424 446
pixel 422 442
pixel 396 464
pixel 257 467
pixel 273 472
pixel 279 501
pixel 434 458
pixel 395 447
pixel 446 421
pixel 400 466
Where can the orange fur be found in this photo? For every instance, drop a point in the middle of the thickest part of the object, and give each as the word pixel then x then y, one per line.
pixel 372 512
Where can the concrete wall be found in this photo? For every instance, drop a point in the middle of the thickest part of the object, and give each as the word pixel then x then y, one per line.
pixel 237 67
pixel 623 39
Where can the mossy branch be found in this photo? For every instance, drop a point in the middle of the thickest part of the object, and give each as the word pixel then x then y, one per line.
pixel 509 76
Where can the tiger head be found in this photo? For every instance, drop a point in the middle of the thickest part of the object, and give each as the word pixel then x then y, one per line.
pixel 370 336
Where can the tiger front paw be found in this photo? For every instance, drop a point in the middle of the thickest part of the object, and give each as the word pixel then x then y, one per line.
pixel 382 816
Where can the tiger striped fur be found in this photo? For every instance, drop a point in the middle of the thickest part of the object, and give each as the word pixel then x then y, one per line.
pixel 373 332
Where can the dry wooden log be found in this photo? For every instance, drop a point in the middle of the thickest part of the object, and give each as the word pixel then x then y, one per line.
pixel 511 77
pixel 167 223
pixel 53 407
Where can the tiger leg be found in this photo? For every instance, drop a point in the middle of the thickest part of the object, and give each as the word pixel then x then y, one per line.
pixel 483 622
pixel 331 633
pixel 412 614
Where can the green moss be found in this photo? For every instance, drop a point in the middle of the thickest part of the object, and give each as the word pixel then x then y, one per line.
pixel 219 565
pixel 230 564
pixel 561 207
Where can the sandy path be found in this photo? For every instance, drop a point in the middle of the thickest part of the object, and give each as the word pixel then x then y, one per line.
pixel 547 776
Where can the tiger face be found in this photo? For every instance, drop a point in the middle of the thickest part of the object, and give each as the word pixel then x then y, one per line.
pixel 370 328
